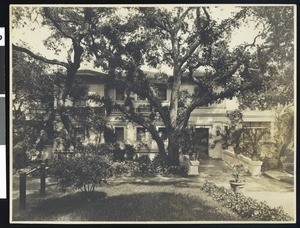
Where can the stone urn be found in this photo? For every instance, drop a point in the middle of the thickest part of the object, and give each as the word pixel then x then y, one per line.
pixel 237 187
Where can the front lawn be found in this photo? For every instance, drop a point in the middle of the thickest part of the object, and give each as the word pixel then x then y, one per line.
pixel 152 201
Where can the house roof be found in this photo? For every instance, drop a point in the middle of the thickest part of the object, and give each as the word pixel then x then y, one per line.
pixel 91 73
pixel 156 77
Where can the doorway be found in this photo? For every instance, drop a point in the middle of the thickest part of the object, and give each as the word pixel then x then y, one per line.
pixel 201 138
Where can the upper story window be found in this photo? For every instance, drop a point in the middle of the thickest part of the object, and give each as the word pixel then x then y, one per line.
pixel 162 92
pixel 37 113
pixel 120 94
pixel 79 103
pixel 140 133
pixel 119 132
pixel 116 110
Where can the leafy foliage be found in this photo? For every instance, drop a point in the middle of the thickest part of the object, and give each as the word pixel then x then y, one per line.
pixel 144 164
pixel 188 142
pixel 185 39
pixel 86 170
pixel 284 137
pixel 232 135
pixel 247 141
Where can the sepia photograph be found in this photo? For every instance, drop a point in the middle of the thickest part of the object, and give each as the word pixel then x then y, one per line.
pixel 171 113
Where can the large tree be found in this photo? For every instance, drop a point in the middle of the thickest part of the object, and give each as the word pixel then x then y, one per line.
pixel 184 39
pixel 49 78
pixel 187 39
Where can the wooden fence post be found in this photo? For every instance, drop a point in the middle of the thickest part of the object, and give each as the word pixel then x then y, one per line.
pixel 43 179
pixel 23 191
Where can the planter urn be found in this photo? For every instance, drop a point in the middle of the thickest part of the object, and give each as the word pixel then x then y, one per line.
pixel 237 187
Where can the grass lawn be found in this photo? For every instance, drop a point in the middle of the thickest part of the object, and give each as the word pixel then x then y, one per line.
pixel 129 201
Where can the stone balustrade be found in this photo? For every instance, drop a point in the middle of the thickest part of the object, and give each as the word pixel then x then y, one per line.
pixel 253 167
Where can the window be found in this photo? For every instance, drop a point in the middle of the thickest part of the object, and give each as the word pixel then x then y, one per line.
pixel 162 92
pixel 163 132
pixel 120 94
pixel 256 124
pixel 119 131
pixel 80 103
pixel 258 128
pixel 80 133
pixel 140 134
pixel 143 108
pixel 116 110
pixel 37 113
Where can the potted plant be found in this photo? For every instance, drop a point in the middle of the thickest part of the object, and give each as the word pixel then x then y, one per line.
pixel 237 184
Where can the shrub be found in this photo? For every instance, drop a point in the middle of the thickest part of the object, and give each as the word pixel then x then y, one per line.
pixel 85 170
pixel 127 153
pixel 143 165
pixel 159 165
pixel 118 154
pixel 289 168
pixel 246 207
pixel 269 163
pixel 130 152
pixel 105 148
pixel 177 170
pixel 125 167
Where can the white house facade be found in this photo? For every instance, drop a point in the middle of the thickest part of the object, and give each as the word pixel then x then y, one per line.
pixel 206 120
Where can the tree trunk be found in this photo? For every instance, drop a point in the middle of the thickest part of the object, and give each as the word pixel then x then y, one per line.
pixel 173 149
pixel 62 122
pixel 160 145
pixel 288 139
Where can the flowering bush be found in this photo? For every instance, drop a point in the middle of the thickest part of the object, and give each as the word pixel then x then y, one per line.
pixel 246 207
pixel 143 165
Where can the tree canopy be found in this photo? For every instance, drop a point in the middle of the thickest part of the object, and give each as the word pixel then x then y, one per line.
pixel 186 40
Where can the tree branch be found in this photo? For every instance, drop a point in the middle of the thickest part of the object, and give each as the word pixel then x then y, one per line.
pixel 183 15
pixel 206 13
pixel 38 57
pixel 55 23
pixel 147 93
pixel 193 47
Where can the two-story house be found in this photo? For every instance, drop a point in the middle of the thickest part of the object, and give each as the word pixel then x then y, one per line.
pixel 205 119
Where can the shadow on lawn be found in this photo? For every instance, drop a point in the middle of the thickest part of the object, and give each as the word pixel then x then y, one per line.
pixel 180 184
pixel 159 206
pixel 38 206
pixel 175 183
